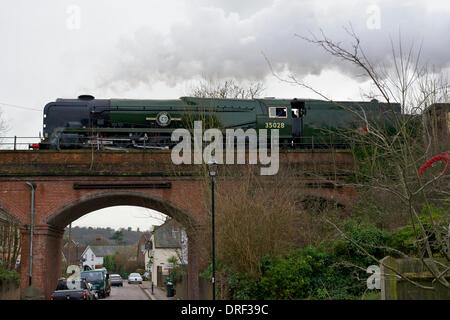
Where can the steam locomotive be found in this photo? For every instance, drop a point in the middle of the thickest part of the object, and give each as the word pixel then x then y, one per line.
pixel 87 122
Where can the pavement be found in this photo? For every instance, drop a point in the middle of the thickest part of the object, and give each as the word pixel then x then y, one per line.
pixel 158 293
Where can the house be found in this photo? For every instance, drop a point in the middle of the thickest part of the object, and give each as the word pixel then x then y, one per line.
pixel 72 252
pixel 93 255
pixel 144 245
pixel 167 240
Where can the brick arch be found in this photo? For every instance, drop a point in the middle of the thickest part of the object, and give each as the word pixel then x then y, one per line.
pixel 64 215
pixel 58 201
pixel 73 210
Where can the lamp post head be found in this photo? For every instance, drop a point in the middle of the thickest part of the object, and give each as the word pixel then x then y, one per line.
pixel 212 166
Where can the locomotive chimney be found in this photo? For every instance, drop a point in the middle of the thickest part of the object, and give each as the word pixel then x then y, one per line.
pixel 86 97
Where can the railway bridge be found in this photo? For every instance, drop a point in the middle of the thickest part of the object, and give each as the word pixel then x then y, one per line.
pixel 44 191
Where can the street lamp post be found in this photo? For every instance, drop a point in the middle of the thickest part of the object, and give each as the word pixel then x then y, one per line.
pixel 212 166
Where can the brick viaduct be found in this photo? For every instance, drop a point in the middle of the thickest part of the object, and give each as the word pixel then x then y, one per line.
pixel 70 184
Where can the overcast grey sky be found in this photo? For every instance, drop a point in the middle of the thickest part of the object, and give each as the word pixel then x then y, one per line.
pixel 159 48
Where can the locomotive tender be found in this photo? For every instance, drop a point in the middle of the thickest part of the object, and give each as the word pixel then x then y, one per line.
pixel 124 123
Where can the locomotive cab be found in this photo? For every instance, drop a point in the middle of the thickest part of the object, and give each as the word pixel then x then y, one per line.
pixel 276 114
pixel 298 110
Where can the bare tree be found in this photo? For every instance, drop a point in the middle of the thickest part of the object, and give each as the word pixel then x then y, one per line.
pixel 9 242
pixel 226 89
pixel 3 124
pixel 395 156
pixel 4 128
pixel 126 259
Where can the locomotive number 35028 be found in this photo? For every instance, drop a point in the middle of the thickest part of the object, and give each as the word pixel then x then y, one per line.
pixel 274 125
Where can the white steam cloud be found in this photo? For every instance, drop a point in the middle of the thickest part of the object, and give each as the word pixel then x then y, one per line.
pixel 227 39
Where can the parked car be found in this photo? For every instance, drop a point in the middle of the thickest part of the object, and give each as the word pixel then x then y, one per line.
pixel 146 276
pixel 99 280
pixel 75 290
pixel 116 280
pixel 134 278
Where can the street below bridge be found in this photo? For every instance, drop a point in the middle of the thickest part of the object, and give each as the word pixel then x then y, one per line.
pixel 127 292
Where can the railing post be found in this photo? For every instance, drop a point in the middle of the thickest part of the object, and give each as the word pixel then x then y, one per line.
pixel 15 140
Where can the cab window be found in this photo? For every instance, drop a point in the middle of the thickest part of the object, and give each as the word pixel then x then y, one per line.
pixel 277 112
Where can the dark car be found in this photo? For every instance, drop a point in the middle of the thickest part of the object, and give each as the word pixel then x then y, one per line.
pixel 116 280
pixel 74 290
pixel 99 280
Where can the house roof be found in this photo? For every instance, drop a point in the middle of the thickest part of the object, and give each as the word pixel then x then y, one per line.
pixel 76 251
pixel 101 251
pixel 167 236
pixel 72 242
pixel 146 236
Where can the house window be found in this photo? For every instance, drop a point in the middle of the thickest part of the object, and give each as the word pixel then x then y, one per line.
pixel 92 257
pixel 277 112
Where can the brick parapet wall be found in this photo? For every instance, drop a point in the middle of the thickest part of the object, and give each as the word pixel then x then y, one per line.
pixel 110 163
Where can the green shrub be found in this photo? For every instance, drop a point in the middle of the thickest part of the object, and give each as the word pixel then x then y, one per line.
pixel 242 287
pixel 109 263
pixel 8 277
pixel 334 271
pixel 405 239
pixel 177 272
pixel 350 262
pixel 367 235
pixel 297 275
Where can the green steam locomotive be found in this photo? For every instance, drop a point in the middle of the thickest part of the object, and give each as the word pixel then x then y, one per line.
pixel 87 122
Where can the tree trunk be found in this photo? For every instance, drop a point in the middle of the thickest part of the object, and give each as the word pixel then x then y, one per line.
pixel 8 252
pixel 16 249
